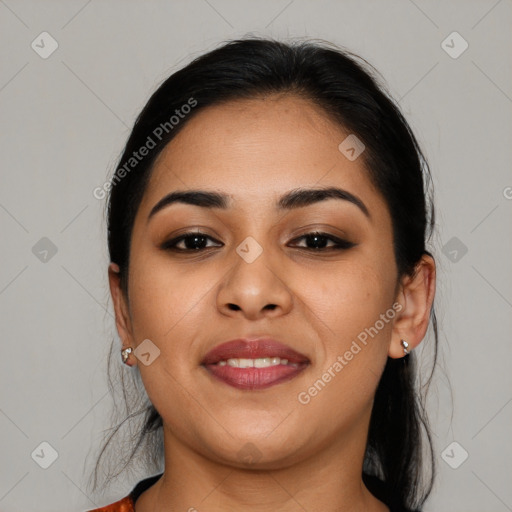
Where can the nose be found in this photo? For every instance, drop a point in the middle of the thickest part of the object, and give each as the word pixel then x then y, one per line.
pixel 255 290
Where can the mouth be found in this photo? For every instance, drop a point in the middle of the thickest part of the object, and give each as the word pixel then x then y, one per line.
pixel 254 364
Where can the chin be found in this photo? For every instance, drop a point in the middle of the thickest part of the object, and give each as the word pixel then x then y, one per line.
pixel 261 449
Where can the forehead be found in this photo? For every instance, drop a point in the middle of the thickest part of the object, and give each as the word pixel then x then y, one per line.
pixel 255 150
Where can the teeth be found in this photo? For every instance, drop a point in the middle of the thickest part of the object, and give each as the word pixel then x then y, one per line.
pixel 265 362
pixel 262 362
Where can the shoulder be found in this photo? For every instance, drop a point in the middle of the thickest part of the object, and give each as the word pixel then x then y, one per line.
pixel 127 504
pixel 123 505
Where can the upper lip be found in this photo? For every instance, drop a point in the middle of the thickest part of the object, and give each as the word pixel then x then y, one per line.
pixel 253 349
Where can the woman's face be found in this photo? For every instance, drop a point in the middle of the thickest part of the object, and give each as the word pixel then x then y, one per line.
pixel 255 274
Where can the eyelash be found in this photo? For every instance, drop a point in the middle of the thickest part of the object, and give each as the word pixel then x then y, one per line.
pixel 341 244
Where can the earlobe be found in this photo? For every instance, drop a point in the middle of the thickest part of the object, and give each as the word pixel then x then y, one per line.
pixel 417 295
pixel 122 315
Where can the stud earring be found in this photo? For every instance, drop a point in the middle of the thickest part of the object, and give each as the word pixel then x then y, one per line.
pixel 406 346
pixel 125 354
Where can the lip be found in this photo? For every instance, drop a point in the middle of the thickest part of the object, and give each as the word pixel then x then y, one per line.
pixel 252 349
pixel 254 378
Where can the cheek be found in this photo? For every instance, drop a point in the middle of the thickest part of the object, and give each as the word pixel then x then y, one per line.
pixel 348 305
pixel 167 307
pixel 347 298
pixel 166 299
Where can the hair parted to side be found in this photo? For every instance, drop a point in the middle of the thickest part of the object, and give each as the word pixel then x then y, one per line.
pixel 348 89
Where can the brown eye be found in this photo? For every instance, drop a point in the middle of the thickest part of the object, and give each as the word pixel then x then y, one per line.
pixel 189 242
pixel 316 241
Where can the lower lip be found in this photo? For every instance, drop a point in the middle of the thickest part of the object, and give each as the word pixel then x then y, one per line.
pixel 254 378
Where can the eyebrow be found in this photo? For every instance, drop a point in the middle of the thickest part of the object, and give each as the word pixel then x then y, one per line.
pixel 298 198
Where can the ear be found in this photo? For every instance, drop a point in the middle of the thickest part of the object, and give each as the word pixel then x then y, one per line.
pixel 121 309
pixel 416 296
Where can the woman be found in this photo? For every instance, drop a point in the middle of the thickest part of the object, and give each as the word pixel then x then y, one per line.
pixel 267 229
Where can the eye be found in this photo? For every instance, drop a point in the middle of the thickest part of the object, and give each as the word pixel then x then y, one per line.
pixel 197 241
pixel 318 240
pixel 193 241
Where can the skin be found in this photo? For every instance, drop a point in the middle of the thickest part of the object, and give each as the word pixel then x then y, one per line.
pixel 309 456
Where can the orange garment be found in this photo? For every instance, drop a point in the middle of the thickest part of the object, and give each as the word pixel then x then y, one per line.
pixel 127 504
pixel 124 505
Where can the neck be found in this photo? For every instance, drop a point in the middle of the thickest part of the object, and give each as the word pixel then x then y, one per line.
pixel 330 479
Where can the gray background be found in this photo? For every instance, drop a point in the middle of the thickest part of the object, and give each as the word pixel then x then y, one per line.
pixel 65 119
